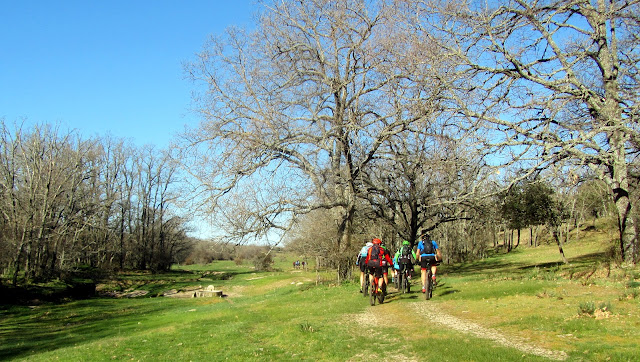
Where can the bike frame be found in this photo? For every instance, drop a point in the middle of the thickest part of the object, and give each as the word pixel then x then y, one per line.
pixel 429 282
pixel 373 290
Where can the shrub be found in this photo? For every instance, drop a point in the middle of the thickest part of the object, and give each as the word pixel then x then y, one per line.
pixel 587 308
pixel 262 261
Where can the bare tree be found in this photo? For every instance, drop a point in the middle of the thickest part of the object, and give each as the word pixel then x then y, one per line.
pixel 425 179
pixel 553 81
pixel 44 197
pixel 308 99
pixel 68 203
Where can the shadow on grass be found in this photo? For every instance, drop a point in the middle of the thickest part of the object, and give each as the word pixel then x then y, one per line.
pixel 502 265
pixel 29 327
pixel 47 328
pixel 485 266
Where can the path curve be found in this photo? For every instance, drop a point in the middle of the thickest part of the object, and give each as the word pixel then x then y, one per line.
pixel 486 333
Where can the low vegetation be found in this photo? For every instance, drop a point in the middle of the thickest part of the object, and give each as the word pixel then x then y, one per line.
pixel 521 305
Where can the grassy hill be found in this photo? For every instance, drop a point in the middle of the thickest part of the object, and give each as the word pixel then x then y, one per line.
pixel 524 305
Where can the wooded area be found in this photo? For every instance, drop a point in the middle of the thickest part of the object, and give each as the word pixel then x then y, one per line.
pixel 331 122
pixel 71 204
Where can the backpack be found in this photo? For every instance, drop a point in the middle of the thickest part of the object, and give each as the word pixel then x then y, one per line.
pixel 427 248
pixel 405 255
pixel 375 254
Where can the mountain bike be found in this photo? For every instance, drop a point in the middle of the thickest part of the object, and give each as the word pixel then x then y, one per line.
pixel 404 278
pixel 365 289
pixel 429 287
pixel 374 292
pixel 397 282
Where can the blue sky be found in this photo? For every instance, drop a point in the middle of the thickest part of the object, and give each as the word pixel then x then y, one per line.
pixel 107 67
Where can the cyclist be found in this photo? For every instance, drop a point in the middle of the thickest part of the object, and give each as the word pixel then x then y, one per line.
pixel 428 252
pixel 378 261
pixel 385 267
pixel 404 257
pixel 360 261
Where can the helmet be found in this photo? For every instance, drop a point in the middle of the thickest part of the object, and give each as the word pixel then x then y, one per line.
pixel 406 242
pixel 369 244
pixel 377 241
pixel 425 237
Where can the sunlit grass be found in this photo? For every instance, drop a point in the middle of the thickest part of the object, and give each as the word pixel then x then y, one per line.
pixel 287 314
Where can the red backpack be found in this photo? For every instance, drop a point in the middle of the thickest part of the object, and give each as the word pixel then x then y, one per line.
pixel 375 255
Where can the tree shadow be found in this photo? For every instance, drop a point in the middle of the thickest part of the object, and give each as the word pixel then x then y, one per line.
pixel 37 321
pixel 41 329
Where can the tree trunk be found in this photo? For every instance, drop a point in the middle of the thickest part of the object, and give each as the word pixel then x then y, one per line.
pixel 626 227
pixel 560 246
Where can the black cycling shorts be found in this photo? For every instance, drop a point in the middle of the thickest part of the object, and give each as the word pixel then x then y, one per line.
pixel 404 266
pixel 377 271
pixel 363 266
pixel 431 260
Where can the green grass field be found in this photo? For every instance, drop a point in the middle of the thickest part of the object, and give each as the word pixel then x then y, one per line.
pixel 521 306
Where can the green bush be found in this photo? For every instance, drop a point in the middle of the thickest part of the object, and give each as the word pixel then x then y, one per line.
pixel 587 308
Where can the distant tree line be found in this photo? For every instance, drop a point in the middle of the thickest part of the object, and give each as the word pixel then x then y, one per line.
pixel 68 203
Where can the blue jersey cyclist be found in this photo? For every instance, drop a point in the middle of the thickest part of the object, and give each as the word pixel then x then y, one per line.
pixel 428 253
pixel 362 255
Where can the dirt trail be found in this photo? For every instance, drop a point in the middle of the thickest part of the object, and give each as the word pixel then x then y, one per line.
pixel 370 318
pixel 486 333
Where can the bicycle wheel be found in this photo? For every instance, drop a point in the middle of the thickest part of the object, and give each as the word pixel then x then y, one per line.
pixel 428 285
pixel 382 293
pixel 405 284
pixel 365 291
pixel 372 294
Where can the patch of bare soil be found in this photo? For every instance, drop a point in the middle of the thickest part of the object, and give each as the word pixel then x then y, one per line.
pixel 371 321
pixel 486 333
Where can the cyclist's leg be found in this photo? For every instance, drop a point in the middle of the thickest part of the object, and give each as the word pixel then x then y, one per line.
pixel 380 275
pixel 363 268
pixel 385 274
pixel 423 272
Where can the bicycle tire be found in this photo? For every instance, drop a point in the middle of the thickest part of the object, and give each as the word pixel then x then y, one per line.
pixel 429 286
pixel 365 291
pixel 405 284
pixel 372 294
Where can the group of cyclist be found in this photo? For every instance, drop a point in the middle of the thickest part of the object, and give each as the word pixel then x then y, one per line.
pixel 374 259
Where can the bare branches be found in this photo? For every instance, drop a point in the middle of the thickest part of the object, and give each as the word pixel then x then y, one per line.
pixel 315 91
pixel 551 82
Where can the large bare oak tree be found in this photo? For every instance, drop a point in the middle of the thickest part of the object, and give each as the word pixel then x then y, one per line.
pixel 307 98
pixel 555 82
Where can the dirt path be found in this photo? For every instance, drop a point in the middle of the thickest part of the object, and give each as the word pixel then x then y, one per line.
pixel 486 333
pixel 370 319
